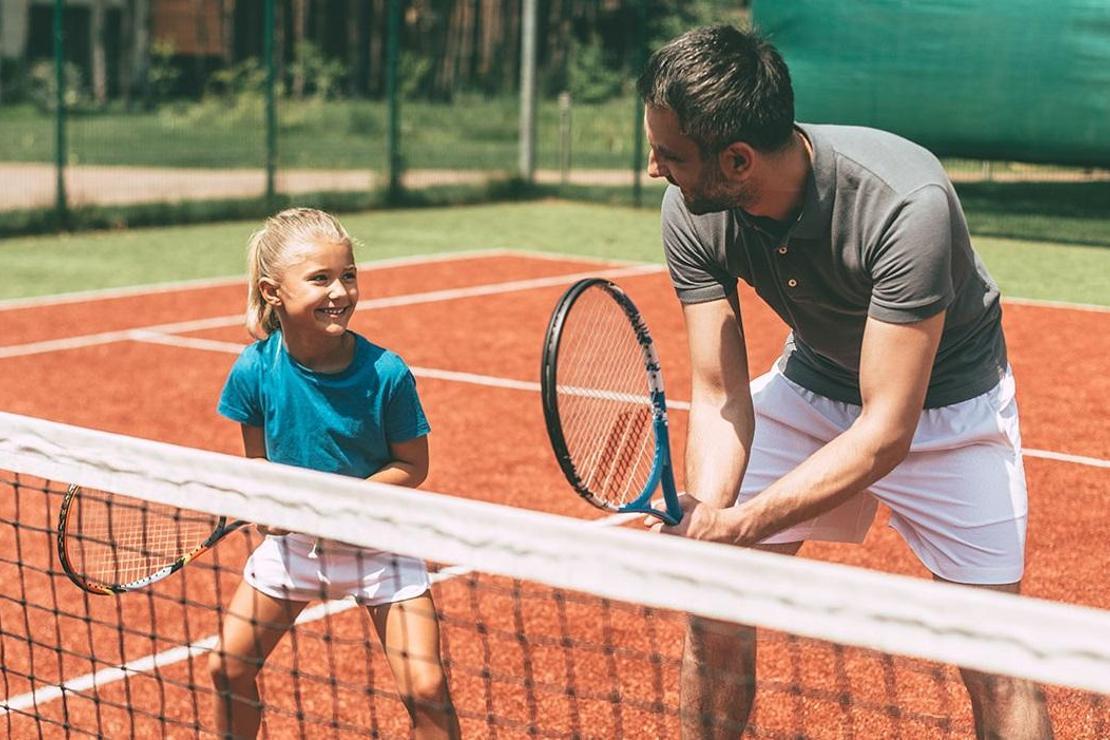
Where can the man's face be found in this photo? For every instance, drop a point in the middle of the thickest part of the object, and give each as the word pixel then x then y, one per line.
pixel 677 158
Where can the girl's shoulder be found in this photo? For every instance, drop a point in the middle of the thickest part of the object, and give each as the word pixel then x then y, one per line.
pixel 384 361
pixel 261 353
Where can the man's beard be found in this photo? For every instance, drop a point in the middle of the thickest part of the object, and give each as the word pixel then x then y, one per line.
pixel 711 195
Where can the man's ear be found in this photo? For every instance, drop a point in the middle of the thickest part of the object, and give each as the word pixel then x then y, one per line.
pixel 736 159
pixel 268 289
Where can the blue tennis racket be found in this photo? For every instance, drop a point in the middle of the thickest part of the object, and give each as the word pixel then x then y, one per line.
pixel 603 402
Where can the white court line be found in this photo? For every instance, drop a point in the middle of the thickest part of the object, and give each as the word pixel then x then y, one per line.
pixel 525 385
pixel 130 291
pixel 201 283
pixel 152 663
pixel 88 340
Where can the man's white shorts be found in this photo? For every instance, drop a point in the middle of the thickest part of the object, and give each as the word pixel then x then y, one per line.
pixel 297 567
pixel 958 499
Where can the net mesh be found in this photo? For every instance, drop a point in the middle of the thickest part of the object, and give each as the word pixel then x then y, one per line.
pixel 549 627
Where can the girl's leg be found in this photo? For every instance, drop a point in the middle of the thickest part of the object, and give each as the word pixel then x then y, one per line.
pixel 409 631
pixel 253 625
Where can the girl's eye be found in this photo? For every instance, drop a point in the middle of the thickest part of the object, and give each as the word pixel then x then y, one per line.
pixel 350 275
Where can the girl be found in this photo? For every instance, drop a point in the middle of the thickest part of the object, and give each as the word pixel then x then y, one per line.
pixel 312 393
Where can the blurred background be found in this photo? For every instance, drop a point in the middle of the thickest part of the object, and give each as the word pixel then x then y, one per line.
pixel 155 112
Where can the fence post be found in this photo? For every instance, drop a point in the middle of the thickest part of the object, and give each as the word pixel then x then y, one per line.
pixel 393 103
pixel 271 103
pixel 565 133
pixel 639 56
pixel 528 91
pixel 60 201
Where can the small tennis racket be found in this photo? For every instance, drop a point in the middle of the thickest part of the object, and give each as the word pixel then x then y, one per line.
pixel 603 401
pixel 110 544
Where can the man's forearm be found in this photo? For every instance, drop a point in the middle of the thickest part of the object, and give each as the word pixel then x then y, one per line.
pixel 717 445
pixel 846 465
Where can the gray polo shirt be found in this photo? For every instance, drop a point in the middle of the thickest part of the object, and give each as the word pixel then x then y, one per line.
pixel 881 234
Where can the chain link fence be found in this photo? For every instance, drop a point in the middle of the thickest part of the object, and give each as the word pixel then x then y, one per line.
pixel 155 111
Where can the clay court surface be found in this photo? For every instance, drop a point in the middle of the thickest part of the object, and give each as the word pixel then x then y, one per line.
pixel 152 363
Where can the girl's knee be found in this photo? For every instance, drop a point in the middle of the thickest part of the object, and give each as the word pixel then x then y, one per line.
pixel 426 687
pixel 230 670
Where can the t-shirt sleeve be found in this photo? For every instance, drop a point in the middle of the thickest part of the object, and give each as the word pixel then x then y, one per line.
pixel 911 263
pixel 404 414
pixel 695 274
pixel 241 397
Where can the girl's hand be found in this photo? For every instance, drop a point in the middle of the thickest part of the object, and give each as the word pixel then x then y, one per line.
pixel 273 531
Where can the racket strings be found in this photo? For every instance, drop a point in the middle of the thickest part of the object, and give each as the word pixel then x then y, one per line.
pixel 604 399
pixel 112 539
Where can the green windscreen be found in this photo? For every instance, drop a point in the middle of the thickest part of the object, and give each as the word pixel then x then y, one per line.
pixel 1023 80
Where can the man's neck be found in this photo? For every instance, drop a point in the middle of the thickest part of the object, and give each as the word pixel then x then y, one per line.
pixel 784 189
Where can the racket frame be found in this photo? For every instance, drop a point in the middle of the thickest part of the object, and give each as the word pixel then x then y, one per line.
pixel 662 471
pixel 93 586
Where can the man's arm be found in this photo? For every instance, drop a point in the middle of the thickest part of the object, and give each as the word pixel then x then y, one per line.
pixel 721 420
pixel 895 364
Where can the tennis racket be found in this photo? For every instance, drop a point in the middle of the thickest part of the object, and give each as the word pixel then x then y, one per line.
pixel 110 544
pixel 603 401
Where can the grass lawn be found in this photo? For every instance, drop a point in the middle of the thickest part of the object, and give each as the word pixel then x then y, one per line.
pixel 46 265
pixel 471 133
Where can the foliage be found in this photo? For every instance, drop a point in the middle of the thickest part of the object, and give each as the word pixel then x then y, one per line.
pixel 44 86
pixel 591 75
pixel 323 76
pixel 163 74
pixel 413 72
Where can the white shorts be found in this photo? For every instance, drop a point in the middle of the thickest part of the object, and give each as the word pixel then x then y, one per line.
pixel 958 499
pixel 297 567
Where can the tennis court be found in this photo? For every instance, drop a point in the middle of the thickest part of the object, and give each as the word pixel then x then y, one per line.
pixel 524 660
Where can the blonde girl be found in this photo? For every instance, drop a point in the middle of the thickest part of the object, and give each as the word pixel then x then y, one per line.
pixel 311 392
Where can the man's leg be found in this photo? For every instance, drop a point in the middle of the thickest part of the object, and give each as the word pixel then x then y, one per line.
pixel 1006 708
pixel 717 686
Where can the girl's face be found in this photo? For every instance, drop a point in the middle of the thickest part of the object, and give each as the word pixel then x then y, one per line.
pixel 318 290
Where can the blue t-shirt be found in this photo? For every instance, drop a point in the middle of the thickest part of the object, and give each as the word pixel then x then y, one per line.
pixel 334 422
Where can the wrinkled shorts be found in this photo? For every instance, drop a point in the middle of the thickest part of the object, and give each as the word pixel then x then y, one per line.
pixel 958 499
pixel 297 567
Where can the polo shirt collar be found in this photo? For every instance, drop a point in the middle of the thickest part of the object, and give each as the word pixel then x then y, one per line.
pixel 820 187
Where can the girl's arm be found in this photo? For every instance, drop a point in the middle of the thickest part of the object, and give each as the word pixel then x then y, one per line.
pixel 254 446
pixel 409 466
pixel 254 441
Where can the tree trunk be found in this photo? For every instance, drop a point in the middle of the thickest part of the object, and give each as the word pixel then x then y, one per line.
pixel 139 52
pixel 99 70
pixel 300 21
pixel 227 31
pixel 378 29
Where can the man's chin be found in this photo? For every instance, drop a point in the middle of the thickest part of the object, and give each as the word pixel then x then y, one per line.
pixel 700 206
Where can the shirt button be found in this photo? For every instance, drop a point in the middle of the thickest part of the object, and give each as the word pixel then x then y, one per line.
pixel 782 249
pixel 792 283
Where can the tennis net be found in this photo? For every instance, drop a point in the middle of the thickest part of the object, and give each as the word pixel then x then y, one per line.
pixel 550 627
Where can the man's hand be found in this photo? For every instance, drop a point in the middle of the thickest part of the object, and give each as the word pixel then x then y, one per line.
pixel 699 521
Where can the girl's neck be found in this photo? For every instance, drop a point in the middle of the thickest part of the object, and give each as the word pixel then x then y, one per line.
pixel 329 355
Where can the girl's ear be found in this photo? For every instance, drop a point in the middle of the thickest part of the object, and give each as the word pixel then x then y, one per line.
pixel 268 288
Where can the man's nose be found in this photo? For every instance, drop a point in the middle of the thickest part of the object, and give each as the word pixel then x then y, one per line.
pixel 653 169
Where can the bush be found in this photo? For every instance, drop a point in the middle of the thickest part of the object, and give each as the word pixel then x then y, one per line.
pixel 590 76
pixel 44 87
pixel 323 77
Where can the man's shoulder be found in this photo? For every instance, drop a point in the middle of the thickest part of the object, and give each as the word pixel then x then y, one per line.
pixel 869 157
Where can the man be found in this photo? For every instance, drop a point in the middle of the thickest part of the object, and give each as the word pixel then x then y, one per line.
pixel 894 385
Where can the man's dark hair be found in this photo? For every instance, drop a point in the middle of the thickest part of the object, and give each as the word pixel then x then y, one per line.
pixel 724 85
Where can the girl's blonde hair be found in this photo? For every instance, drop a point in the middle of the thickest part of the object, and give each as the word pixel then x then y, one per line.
pixel 268 256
